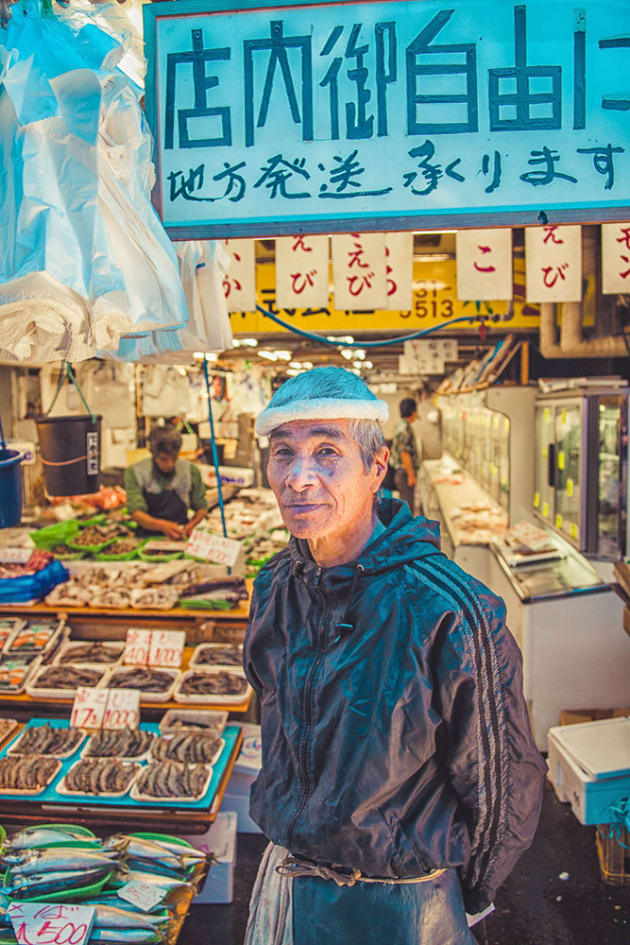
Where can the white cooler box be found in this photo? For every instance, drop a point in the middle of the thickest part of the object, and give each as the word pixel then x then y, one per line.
pixel 248 764
pixel 589 767
pixel 220 839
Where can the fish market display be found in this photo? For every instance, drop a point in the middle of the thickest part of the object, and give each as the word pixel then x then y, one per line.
pixel 171 779
pixel 190 747
pixel 34 638
pixel 14 673
pixel 30 773
pixel 111 598
pixel 213 655
pixel 37 562
pixel 231 590
pixel 45 740
pixel 6 727
pixel 221 683
pixel 89 537
pixel 67 677
pixel 146 680
pixel 121 743
pixel 93 652
pixel 25 887
pixel 151 598
pixel 100 776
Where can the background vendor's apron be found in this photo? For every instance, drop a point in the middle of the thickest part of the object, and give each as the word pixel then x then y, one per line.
pixel 166 504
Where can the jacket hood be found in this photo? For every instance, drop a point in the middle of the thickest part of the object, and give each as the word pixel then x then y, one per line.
pixel 406 538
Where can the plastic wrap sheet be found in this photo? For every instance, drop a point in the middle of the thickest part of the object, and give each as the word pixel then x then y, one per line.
pixel 84 259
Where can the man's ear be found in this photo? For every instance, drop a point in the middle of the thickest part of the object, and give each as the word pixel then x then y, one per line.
pixel 380 465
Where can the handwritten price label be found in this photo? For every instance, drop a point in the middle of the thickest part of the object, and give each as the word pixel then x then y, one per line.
pixel 88 708
pixel 213 548
pixel 141 894
pixel 137 646
pixel 167 648
pixel 50 923
pixel 123 708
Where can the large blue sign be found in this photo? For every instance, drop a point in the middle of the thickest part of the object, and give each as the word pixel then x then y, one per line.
pixel 324 117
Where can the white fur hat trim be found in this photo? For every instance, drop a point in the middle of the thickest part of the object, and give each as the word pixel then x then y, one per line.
pixel 336 408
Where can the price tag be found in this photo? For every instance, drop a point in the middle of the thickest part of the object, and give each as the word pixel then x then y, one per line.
pixel 50 923
pixel 563 417
pixel 536 499
pixel 123 708
pixel 574 530
pixel 141 894
pixel 545 509
pixel 213 548
pixel 560 459
pixel 167 648
pixel 88 708
pixel 559 520
pixel 137 646
pixel 547 414
pixel 570 488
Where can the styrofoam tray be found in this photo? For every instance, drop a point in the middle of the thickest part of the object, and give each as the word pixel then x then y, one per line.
pixel 195 664
pixel 9 653
pixel 15 792
pixel 62 789
pixel 32 667
pixel 14 747
pixel 204 720
pixel 162 696
pixel 136 795
pixel 9 730
pixel 43 693
pixel 205 698
pixel 212 761
pixel 70 645
pixel 131 758
pixel 14 624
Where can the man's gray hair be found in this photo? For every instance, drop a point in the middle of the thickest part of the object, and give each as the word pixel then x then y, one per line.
pixel 369 438
pixel 165 440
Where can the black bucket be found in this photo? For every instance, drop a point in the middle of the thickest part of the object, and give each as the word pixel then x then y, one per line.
pixel 10 487
pixel 70 451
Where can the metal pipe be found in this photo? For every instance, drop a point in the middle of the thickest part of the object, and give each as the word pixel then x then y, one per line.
pixel 572 344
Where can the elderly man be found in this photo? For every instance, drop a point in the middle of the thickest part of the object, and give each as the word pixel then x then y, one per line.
pixel 400 782
pixel 162 489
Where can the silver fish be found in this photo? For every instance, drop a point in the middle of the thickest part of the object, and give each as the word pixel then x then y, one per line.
pixel 155 879
pixel 113 917
pixel 139 847
pixel 113 900
pixel 33 837
pixel 125 936
pixel 51 882
pixel 60 858
pixel 180 849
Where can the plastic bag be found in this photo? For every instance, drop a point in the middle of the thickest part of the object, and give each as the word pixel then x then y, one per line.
pixel 34 586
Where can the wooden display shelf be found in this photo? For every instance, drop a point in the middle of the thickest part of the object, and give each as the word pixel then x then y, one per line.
pixel 179 819
pixel 176 615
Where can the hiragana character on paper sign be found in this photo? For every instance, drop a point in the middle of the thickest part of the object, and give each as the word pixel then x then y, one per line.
pixel 551 234
pixel 235 254
pixel 182 186
pixel 624 275
pixel 484 250
pixel 518 104
pixel 549 279
pixel 229 283
pixel 392 286
pixel 449 103
pixel 233 181
pixel 342 176
pixel 430 172
pixel 496 176
pixel 603 161
pixel 299 243
pixel 277 46
pixel 626 236
pixel 278 171
pixel 355 255
pixel 300 280
pixel 356 283
pixel 548 157
pixel 197 58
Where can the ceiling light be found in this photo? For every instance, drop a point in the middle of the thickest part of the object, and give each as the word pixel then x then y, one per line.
pixel 283 355
pixel 291 372
pixel 357 364
pixel 307 365
pixel 359 353
pixel 368 364
pixel 347 354
pixel 295 365
pixel 269 355
pixel 249 342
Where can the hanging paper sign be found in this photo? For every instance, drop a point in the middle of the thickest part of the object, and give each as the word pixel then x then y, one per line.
pixel 553 263
pixel 141 894
pixel 167 648
pixel 615 258
pixel 137 646
pixel 88 707
pixel 123 709
pixel 484 264
pixel 50 923
pixel 302 272
pixel 399 270
pixel 427 356
pixel 239 282
pixel 213 548
pixel 359 271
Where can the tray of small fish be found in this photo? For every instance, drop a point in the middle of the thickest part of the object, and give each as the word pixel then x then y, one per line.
pixel 90 651
pixel 7 727
pixel 154 598
pixel 34 639
pixel 125 744
pixel 211 721
pixel 8 627
pixel 154 685
pixel 27 775
pixel 215 685
pixel 15 673
pixel 47 740
pixel 217 654
pixel 171 781
pixel 106 777
pixel 188 748
pixel 61 682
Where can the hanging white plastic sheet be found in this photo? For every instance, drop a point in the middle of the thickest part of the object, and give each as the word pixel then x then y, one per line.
pixel 84 258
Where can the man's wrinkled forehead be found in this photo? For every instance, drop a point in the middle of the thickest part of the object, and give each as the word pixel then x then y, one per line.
pixel 309 429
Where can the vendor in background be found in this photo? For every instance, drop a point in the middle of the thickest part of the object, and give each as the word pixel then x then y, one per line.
pixel 162 488
pixel 404 453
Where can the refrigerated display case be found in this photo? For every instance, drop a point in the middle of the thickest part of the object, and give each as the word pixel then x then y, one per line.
pixel 581 458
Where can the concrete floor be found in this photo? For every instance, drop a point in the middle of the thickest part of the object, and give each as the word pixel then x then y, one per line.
pixel 534 907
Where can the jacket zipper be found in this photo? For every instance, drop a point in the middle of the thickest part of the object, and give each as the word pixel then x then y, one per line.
pixel 308 721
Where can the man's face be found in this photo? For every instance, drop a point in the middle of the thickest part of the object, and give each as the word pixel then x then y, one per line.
pixel 165 463
pixel 319 480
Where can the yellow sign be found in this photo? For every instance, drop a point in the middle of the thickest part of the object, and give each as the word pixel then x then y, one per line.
pixel 547 414
pixel 560 459
pixel 570 488
pixel 558 521
pixel 563 417
pixel 434 302
pixel 574 530
pixel 536 499
pixel 545 509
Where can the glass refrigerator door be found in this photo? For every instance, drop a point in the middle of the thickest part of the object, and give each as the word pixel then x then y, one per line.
pixel 612 444
pixel 568 486
pixel 545 436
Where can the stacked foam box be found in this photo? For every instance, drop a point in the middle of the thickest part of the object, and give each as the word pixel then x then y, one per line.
pixel 248 764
